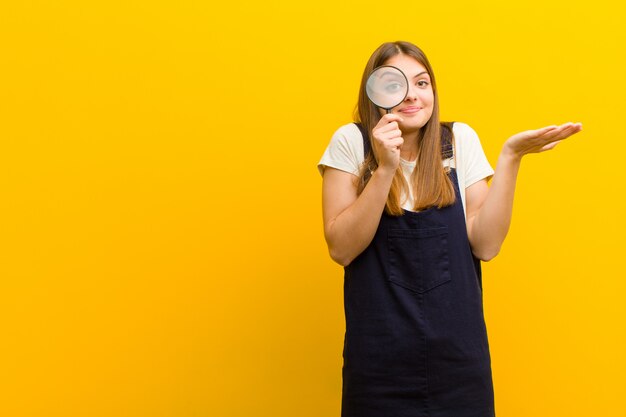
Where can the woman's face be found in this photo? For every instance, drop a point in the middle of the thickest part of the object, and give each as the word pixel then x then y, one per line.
pixel 417 107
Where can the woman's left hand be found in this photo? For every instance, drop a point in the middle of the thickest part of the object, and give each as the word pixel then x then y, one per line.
pixel 539 140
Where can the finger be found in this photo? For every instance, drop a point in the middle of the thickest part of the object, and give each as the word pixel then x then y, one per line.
pixel 572 124
pixel 396 143
pixel 390 117
pixel 547 128
pixel 550 146
pixel 575 128
pixel 543 130
pixel 537 133
pixel 568 131
pixel 394 134
pixel 386 136
pixel 556 134
pixel 390 126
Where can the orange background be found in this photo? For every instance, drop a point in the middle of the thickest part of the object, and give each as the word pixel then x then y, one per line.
pixel 162 249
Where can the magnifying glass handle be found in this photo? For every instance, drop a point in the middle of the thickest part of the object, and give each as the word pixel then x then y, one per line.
pixel 388 111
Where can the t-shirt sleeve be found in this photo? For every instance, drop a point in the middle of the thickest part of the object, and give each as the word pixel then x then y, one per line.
pixel 475 161
pixel 343 151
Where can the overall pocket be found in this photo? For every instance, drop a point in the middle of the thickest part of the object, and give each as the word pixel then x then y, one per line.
pixel 418 258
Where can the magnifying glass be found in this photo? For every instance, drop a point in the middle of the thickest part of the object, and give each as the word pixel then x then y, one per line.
pixel 387 87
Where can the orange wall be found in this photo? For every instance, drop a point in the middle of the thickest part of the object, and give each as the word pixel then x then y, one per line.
pixel 162 251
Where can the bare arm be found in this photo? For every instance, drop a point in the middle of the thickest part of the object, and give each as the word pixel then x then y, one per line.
pixel 350 221
pixel 489 209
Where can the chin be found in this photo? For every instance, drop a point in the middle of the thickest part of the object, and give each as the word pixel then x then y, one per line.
pixel 413 124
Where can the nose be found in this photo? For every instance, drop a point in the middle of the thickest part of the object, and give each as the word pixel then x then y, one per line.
pixel 412 93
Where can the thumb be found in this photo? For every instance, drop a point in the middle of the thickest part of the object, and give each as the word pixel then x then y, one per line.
pixel 550 146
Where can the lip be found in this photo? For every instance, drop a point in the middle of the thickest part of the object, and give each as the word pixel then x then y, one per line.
pixel 411 109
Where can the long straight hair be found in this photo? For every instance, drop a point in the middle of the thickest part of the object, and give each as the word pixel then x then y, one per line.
pixel 429 181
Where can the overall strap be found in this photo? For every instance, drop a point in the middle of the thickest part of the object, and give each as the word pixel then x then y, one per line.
pixel 366 139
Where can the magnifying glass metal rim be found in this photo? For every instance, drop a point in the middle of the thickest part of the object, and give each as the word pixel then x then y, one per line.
pixel 406 93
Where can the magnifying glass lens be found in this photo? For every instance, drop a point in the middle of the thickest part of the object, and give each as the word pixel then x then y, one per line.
pixel 387 87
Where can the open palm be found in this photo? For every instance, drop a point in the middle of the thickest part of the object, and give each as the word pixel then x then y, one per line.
pixel 540 140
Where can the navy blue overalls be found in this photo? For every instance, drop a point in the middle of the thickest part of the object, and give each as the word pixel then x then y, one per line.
pixel 416 342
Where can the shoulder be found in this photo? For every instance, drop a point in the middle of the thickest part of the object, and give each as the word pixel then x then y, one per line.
pixel 472 159
pixel 345 150
pixel 464 131
pixel 349 133
pixel 349 139
pixel 465 137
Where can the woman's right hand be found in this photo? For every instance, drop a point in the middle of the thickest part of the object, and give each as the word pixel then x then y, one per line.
pixel 350 219
pixel 387 139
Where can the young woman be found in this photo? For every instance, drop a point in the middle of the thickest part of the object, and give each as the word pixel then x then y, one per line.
pixel 408 213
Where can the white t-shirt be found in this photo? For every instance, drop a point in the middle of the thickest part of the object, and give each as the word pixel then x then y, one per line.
pixel 345 152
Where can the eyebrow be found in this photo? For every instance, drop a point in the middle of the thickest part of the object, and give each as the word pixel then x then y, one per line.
pixel 393 73
pixel 388 73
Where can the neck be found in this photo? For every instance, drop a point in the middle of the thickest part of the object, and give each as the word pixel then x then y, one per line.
pixel 408 151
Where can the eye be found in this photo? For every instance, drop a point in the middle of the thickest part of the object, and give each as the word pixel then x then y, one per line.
pixel 425 83
pixel 393 87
